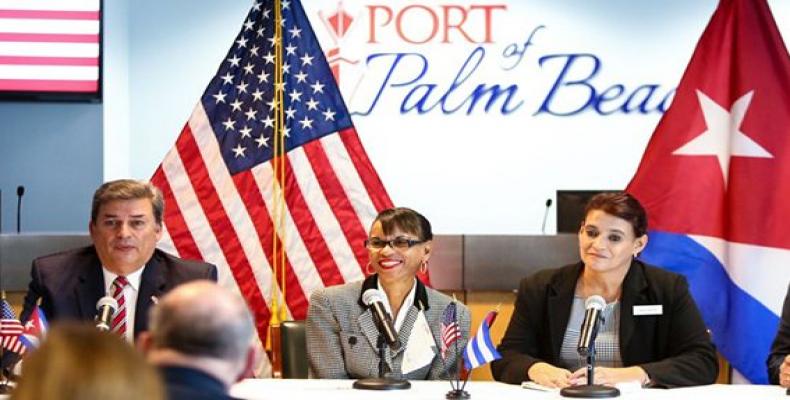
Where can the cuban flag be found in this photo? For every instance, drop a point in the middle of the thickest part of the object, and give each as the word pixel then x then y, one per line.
pixel 35 329
pixel 481 350
pixel 715 180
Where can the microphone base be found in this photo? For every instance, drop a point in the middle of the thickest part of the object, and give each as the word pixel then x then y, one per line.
pixel 381 384
pixel 5 388
pixel 457 394
pixel 590 392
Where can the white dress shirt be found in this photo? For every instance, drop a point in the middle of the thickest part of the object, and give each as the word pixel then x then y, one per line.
pixel 130 293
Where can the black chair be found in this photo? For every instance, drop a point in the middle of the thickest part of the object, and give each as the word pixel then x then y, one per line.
pixel 293 349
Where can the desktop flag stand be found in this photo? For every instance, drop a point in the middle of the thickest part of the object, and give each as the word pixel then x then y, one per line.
pixel 479 351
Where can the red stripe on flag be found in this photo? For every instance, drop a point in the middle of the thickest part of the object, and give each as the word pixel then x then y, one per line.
pixel 308 229
pixel 176 225
pixel 50 37
pixel 378 194
pixel 222 227
pixel 39 85
pixel 338 200
pixel 73 61
pixel 45 14
pixel 262 220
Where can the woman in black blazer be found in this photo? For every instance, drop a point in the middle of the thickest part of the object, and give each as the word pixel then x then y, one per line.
pixel 653 333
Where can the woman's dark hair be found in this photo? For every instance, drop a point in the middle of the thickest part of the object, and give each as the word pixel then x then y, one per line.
pixel 407 220
pixel 621 205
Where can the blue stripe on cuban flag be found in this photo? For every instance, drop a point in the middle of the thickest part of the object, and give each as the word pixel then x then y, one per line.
pixel 741 325
pixel 481 350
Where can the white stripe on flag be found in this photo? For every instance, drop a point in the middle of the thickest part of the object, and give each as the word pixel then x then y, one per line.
pixel 69 26
pixel 349 178
pixel 33 49
pixel 324 217
pixel 47 72
pixel 763 272
pixel 60 5
pixel 166 242
pixel 193 215
pixel 298 256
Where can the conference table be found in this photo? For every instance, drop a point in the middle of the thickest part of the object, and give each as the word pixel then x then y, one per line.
pixel 327 389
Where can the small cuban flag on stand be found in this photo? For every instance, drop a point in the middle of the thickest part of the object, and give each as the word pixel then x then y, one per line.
pixel 480 350
pixel 35 329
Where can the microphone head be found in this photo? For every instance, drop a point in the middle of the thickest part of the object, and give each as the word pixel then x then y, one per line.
pixel 595 301
pixel 372 296
pixel 107 301
pixel 548 202
pixel 20 190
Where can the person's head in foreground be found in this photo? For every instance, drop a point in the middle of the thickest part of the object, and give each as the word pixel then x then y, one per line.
pixel 200 326
pixel 76 362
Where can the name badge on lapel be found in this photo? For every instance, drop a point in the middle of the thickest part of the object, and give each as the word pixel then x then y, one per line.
pixel 652 309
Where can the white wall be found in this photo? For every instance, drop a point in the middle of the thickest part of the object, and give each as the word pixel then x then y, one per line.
pixel 477 173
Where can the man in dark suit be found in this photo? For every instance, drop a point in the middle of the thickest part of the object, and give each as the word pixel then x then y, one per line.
pixel 125 225
pixel 201 340
pixel 779 358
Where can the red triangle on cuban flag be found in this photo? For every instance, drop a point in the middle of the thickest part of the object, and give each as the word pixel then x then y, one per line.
pixel 715 180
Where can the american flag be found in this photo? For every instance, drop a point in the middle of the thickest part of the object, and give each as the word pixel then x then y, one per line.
pixel 450 331
pixel 223 191
pixel 49 46
pixel 10 329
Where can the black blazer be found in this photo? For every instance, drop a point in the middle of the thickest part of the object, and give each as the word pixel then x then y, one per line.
pixel 781 346
pixel 70 283
pixel 674 348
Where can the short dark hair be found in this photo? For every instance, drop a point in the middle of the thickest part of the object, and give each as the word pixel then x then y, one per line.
pixel 128 189
pixel 622 205
pixel 407 220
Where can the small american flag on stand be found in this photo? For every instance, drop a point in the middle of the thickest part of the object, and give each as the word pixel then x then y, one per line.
pixel 450 331
pixel 10 329
pixel 277 227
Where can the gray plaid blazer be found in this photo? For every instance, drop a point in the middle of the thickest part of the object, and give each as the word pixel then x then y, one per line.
pixel 342 335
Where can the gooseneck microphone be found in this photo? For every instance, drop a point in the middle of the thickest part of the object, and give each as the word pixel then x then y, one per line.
pixel 374 299
pixel 592 320
pixel 106 308
pixel 545 216
pixel 20 191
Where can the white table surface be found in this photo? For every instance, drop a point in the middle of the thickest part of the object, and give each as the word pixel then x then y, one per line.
pixel 298 389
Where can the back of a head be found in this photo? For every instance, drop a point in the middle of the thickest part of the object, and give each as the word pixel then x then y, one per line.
pixel 78 362
pixel 201 319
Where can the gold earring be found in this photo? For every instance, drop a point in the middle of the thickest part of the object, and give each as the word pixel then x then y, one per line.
pixel 369 269
pixel 424 267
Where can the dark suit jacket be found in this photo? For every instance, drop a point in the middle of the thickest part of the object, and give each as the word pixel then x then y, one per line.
pixel 192 384
pixel 70 283
pixel 674 348
pixel 781 346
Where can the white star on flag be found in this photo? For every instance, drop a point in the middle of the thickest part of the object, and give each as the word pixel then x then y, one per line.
pixel 723 138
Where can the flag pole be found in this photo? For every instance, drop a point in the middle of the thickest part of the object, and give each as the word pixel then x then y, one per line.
pixel 278 313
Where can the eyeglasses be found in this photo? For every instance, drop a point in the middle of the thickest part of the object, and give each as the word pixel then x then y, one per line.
pixel 401 243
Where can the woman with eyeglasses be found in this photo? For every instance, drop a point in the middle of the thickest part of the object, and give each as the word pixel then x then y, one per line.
pixel 342 333
pixel 652 333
